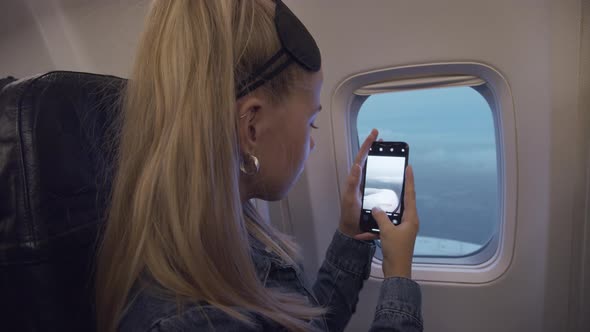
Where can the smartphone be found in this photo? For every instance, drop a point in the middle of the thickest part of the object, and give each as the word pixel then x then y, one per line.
pixel 383 184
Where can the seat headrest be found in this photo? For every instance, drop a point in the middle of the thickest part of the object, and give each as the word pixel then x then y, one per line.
pixel 5 81
pixel 55 163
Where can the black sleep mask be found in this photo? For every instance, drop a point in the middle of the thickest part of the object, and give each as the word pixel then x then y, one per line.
pixel 296 43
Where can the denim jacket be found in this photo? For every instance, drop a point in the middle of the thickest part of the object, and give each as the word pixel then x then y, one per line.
pixel 339 281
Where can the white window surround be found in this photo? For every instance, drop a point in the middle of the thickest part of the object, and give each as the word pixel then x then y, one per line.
pixel 344 107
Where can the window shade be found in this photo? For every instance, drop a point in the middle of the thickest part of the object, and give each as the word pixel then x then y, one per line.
pixel 419 83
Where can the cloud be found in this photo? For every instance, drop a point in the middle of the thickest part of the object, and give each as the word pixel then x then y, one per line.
pixel 386 199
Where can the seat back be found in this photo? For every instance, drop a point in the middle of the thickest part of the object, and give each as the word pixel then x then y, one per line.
pixel 56 131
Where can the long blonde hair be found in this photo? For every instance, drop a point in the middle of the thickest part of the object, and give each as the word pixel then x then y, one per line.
pixel 176 217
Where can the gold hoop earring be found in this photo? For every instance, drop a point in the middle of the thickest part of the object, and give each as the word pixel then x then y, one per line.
pixel 254 161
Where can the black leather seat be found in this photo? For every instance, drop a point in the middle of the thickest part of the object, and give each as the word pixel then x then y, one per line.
pixel 56 131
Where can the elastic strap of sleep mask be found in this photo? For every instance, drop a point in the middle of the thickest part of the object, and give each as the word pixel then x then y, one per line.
pixel 297 45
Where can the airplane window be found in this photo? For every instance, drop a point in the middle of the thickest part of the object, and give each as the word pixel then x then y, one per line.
pixel 452 142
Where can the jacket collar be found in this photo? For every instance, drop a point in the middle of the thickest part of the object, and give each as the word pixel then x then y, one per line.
pixel 264 259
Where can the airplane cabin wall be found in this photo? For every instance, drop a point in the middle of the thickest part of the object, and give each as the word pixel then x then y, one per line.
pixel 580 276
pixel 535 44
pixel 23 48
pixel 570 124
pixel 78 35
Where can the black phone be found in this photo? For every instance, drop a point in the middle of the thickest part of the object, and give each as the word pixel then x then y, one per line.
pixel 383 185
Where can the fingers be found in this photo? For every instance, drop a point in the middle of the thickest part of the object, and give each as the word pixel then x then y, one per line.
pixel 354 179
pixel 410 212
pixel 382 220
pixel 364 150
pixel 366 236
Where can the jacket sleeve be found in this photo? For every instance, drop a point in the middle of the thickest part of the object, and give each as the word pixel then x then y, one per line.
pixel 340 278
pixel 399 306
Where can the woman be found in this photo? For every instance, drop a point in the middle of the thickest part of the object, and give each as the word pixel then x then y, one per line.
pixel 219 110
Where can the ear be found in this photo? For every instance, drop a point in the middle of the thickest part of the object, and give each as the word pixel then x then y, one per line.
pixel 248 109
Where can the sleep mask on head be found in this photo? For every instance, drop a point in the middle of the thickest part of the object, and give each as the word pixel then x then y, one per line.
pixel 297 45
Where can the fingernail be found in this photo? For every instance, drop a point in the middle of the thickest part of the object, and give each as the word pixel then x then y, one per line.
pixel 376 209
pixel 356 169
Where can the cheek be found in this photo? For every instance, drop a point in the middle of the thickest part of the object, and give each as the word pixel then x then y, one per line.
pixel 298 149
pixel 305 146
pixel 296 144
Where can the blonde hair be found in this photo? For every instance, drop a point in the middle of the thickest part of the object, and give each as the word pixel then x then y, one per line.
pixel 176 218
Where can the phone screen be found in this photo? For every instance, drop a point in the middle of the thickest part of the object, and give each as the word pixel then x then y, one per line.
pixel 383 184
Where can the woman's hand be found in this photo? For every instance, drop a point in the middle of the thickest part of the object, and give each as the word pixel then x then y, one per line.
pixel 350 212
pixel 397 242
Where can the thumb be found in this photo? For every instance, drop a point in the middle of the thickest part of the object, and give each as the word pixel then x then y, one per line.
pixel 381 218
